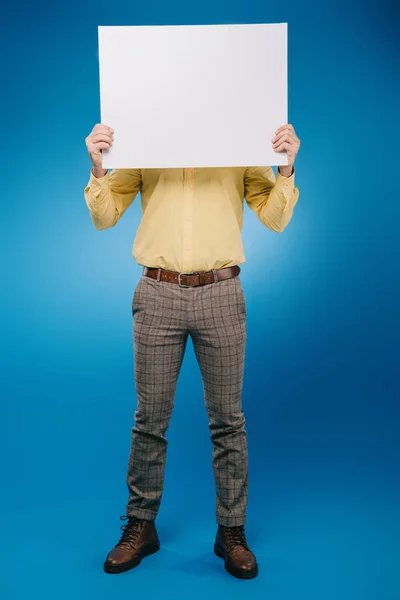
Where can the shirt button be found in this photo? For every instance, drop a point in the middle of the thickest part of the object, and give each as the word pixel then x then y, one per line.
pixel 187 249
pixel 188 219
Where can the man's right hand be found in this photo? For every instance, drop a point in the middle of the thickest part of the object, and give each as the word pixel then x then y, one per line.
pixel 100 138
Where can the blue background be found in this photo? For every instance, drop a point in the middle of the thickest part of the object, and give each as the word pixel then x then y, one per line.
pixel 321 386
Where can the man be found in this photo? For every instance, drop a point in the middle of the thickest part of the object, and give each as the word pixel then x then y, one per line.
pixel 189 243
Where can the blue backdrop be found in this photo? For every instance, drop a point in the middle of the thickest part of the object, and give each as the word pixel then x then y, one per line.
pixel 321 386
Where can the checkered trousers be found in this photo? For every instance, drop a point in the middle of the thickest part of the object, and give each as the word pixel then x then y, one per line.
pixel 214 315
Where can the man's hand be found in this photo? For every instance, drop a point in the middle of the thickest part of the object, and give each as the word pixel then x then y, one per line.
pixel 100 138
pixel 286 139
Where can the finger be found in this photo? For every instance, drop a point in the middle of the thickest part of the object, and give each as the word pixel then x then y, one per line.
pixel 101 127
pixel 285 138
pixel 102 131
pixel 284 135
pixel 288 126
pixel 284 130
pixel 99 146
pixel 101 137
pixel 285 146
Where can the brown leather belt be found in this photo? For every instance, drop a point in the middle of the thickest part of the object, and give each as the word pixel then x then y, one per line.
pixel 192 279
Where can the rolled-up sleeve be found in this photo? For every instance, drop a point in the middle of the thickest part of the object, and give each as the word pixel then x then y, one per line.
pixel 108 197
pixel 271 198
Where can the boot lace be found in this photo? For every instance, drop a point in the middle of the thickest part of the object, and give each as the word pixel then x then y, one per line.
pixel 130 530
pixel 235 536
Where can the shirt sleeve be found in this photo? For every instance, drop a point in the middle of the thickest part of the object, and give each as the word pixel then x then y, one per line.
pixel 108 197
pixel 272 199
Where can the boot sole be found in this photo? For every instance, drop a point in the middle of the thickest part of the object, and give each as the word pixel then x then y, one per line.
pixel 232 571
pixel 114 569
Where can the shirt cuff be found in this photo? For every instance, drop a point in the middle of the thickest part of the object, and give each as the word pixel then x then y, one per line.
pixel 99 180
pixel 290 178
pixel 286 184
pixel 97 183
pixel 96 190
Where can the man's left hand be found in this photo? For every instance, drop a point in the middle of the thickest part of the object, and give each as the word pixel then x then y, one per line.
pixel 285 139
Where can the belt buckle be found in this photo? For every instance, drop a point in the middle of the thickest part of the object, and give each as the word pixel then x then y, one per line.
pixel 185 273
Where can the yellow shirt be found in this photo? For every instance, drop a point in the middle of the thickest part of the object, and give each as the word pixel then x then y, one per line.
pixel 191 218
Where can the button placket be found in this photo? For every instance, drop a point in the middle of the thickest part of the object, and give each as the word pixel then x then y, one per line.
pixel 187 238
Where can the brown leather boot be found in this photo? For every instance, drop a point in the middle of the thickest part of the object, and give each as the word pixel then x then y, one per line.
pixel 231 545
pixel 139 539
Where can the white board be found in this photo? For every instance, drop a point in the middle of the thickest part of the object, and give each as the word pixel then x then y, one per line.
pixel 193 96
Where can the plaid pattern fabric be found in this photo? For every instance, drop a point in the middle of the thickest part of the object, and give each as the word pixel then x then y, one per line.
pixel 214 315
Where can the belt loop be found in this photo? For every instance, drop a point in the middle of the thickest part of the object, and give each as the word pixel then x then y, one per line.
pixel 159 276
pixel 145 269
pixel 215 275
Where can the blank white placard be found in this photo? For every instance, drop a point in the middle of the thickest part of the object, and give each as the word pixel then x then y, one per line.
pixel 193 96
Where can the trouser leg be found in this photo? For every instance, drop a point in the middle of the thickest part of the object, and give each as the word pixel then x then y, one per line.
pixel 160 337
pixel 219 337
